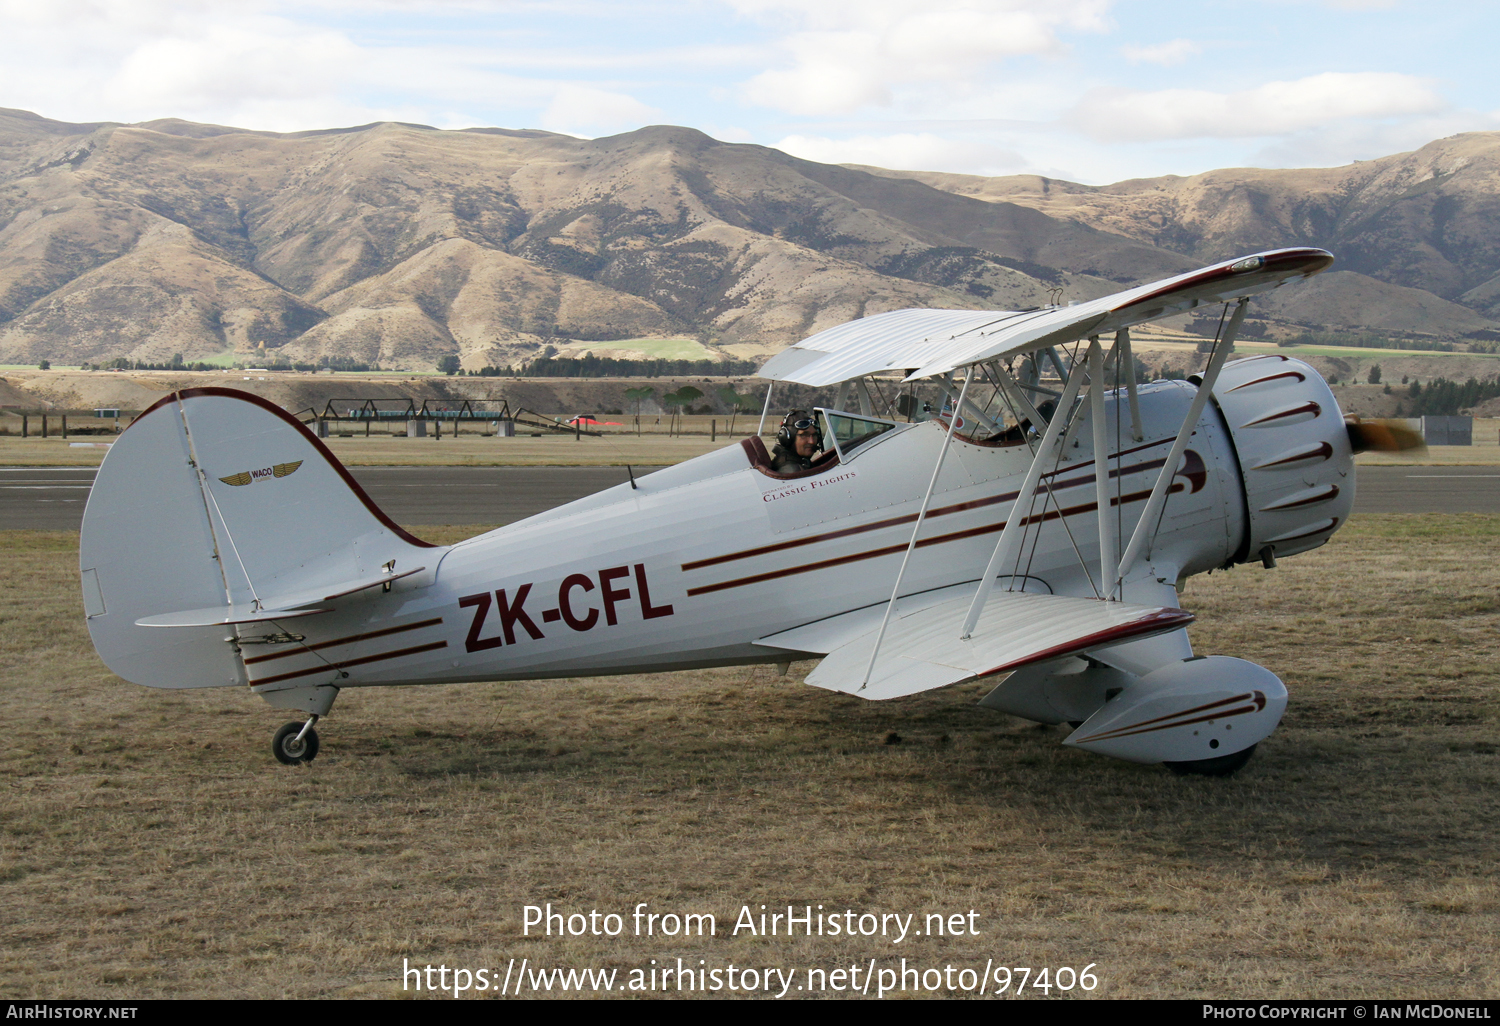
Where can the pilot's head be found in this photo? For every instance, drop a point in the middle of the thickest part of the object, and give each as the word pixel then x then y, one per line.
pixel 799 433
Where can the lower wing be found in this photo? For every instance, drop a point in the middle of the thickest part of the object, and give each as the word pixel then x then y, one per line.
pixel 922 650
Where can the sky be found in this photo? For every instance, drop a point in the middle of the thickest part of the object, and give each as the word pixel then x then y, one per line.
pixel 1092 91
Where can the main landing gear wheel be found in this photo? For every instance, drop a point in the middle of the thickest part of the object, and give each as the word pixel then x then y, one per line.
pixel 1221 766
pixel 293 750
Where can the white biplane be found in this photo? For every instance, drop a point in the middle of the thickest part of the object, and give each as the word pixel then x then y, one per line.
pixel 1039 531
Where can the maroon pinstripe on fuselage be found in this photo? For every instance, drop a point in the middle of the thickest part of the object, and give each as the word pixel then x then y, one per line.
pixel 350 640
pixel 1193 469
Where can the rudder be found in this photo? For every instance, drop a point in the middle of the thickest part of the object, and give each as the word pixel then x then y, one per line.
pixel 217 507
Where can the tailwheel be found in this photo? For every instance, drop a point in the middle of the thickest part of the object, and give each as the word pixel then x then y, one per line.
pixel 296 743
pixel 1220 766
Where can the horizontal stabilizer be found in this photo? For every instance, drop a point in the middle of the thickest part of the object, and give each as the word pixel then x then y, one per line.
pixel 275 609
pixel 216 616
pixel 348 589
pixel 922 649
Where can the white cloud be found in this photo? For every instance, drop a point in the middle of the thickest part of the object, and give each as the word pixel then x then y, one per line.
pixel 586 111
pixel 131 61
pixel 959 85
pixel 239 62
pixel 834 73
pixel 909 151
pixel 842 55
pixel 1166 54
pixel 228 63
pixel 1340 144
pixel 1275 108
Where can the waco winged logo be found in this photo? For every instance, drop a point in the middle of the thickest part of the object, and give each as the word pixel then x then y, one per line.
pixel 249 476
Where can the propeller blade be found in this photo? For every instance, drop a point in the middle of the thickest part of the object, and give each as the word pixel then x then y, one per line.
pixel 1383 435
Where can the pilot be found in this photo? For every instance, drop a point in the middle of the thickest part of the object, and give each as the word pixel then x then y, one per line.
pixel 798 442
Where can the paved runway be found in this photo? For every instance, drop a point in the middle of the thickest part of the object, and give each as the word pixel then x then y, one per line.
pixel 52 498
pixel 1427 490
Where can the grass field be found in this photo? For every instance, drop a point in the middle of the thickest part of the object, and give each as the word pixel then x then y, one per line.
pixel 150 846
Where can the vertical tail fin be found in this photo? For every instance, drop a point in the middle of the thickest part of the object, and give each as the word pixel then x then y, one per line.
pixel 217 507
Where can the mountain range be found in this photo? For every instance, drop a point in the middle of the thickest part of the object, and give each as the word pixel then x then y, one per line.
pixel 400 244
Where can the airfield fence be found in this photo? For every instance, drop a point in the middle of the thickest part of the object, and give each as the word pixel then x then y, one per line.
pixel 341 411
pixel 53 422
pixel 407 409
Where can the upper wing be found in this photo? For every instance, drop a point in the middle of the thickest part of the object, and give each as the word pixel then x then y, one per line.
pixel 922 649
pixel 938 341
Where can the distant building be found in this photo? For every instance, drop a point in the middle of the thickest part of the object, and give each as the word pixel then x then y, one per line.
pixel 1448 430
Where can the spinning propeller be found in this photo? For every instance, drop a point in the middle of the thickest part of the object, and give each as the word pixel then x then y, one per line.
pixel 1382 435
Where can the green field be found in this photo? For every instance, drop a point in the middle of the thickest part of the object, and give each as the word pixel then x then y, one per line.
pixel 1300 351
pixel 228 358
pixel 656 348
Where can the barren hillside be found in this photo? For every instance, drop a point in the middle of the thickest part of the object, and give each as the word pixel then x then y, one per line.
pixel 399 244
pixel 1427 220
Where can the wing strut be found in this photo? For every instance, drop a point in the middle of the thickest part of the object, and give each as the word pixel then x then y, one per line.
pixel 763 410
pixel 1146 527
pixel 1062 372
pixel 1107 568
pixel 1020 405
pixel 921 515
pixel 1010 536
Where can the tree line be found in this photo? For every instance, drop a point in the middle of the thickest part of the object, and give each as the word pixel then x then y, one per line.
pixel 591 366
pixel 1443 398
pixel 338 363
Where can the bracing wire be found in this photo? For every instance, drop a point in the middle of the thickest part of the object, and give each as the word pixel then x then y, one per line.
pixel 1008 404
pixel 1061 519
pixel 1074 416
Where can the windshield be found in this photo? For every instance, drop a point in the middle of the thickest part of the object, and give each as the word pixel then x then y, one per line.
pixel 848 431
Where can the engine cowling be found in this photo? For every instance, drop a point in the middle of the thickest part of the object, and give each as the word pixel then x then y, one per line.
pixel 1295 458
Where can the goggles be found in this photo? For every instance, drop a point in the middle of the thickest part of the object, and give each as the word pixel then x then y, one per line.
pixel 804 423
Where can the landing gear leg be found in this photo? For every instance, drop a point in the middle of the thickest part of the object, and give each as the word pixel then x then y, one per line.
pixel 296 743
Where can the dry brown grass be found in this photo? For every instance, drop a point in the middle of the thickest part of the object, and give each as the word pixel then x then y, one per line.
pixel 149 845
